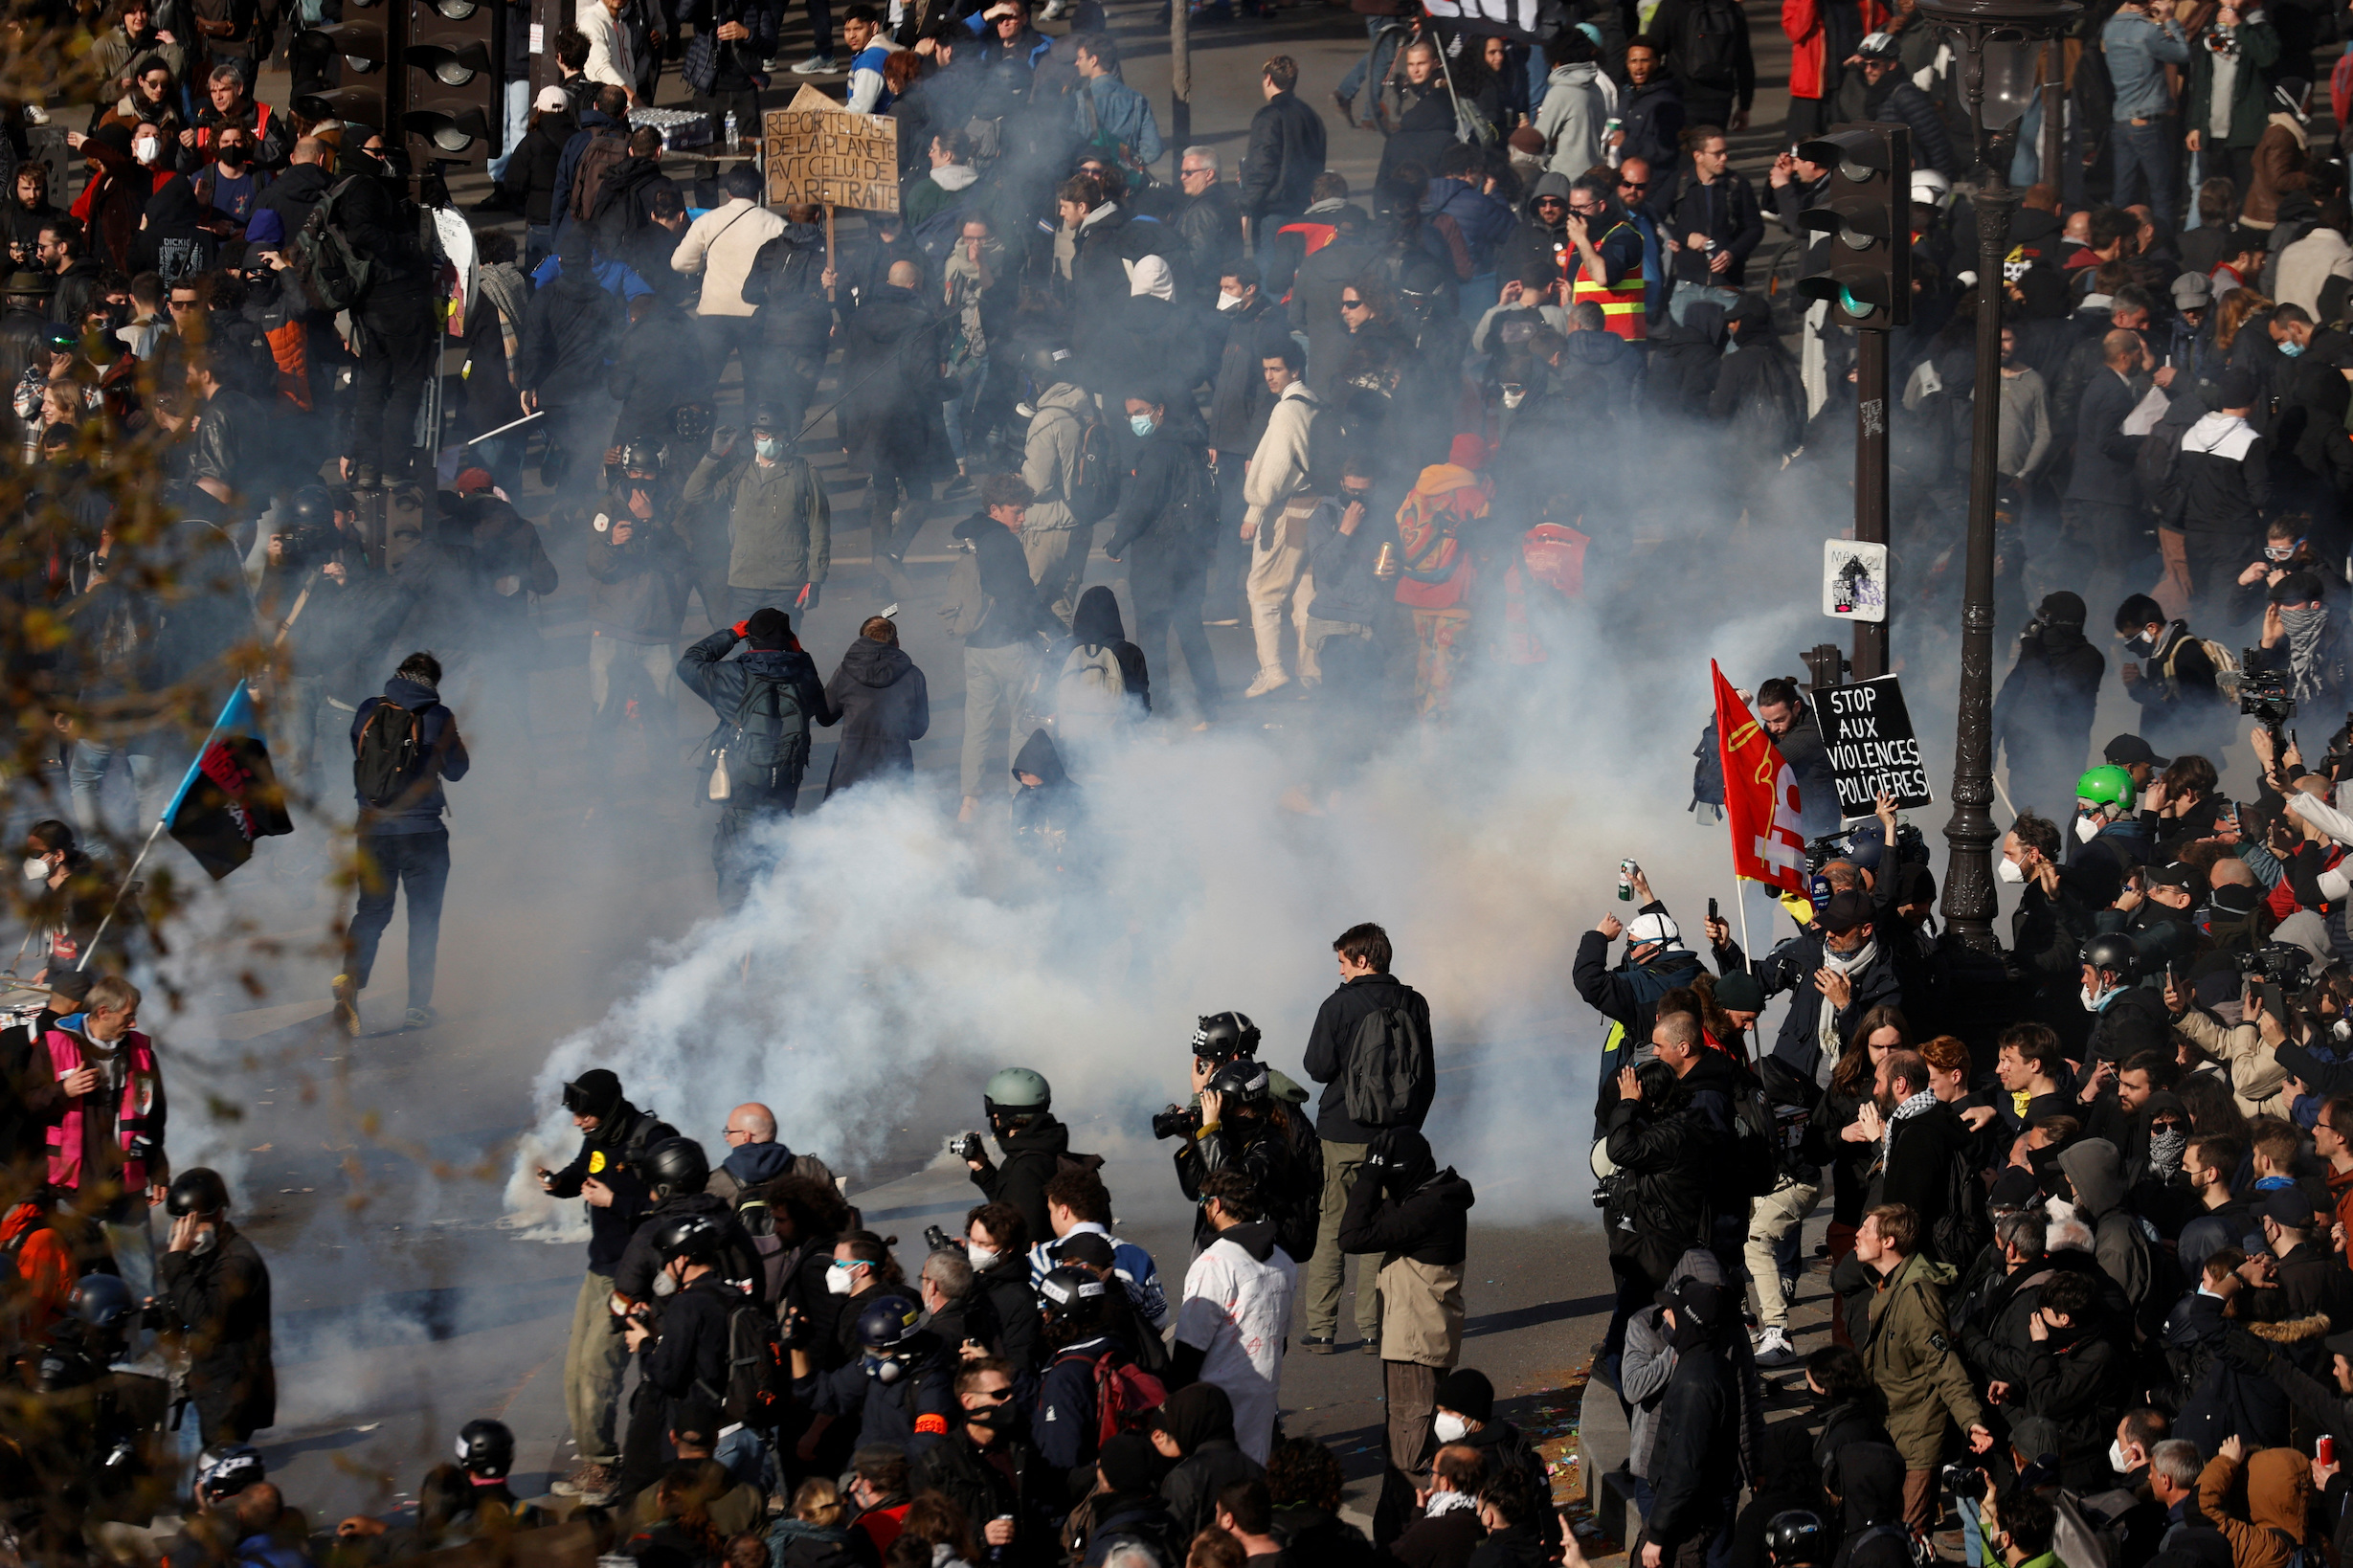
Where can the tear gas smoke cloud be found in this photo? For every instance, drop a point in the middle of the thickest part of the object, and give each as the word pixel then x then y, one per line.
pixel 874 967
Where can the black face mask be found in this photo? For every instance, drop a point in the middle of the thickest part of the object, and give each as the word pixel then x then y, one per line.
pixel 994 1418
pixel 1356 498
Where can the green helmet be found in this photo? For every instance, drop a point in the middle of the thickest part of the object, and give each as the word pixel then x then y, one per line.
pixel 2107 785
pixel 1017 1090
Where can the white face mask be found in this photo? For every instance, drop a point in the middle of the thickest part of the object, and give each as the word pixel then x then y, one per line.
pixel 2094 999
pixel 2009 871
pixel 146 149
pixel 2118 1460
pixel 665 1283
pixel 2087 828
pixel 1449 1427
pixel 981 1257
pixel 36 869
pixel 839 1283
pixel 1229 301
pixel 1513 399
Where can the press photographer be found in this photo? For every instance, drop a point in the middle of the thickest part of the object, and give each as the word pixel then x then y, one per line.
pixel 1242 1126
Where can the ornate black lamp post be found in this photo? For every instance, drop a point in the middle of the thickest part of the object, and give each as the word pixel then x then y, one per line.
pixel 1996 42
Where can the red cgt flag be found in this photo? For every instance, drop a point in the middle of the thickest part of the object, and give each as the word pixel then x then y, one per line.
pixel 1760 795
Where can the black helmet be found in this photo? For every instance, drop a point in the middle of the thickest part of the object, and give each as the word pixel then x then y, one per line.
pixel 887 1322
pixel 1070 1295
pixel 2115 952
pixel 694 1237
pixel 643 455
pixel 1221 1035
pixel 674 1166
pixel 103 1300
pixel 1794 1539
pixel 486 1448
pixel 1048 363
pixel 1243 1078
pixel 311 507
pixel 226 1468
pixel 199 1190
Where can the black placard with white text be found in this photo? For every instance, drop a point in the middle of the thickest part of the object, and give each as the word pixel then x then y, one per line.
pixel 1866 732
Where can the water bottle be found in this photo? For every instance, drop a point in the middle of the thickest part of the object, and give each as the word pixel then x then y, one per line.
pixel 666 141
pixel 1626 880
pixel 729 136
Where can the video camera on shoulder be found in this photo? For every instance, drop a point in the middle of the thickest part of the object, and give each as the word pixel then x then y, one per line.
pixel 2265 694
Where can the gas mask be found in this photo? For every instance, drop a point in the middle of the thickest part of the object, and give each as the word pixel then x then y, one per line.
pixel 885 1370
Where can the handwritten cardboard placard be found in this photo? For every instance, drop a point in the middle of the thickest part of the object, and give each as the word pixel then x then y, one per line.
pixel 820 152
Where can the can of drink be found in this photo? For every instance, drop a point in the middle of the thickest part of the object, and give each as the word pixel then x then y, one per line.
pixel 1626 880
pixel 1385 564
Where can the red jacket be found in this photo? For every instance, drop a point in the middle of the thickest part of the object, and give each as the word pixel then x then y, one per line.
pixel 1802 25
pixel 43 1265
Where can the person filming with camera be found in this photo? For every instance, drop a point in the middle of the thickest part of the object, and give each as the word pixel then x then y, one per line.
pixel 1240 1124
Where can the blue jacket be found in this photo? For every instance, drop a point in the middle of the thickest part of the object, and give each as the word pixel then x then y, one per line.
pixel 912 1412
pixel 1628 995
pixel 419 807
pixel 721 681
pixel 1484 222
pixel 1066 1424
pixel 1119 112
pixel 616 277
pixel 2138 51
pixel 1130 1264
pixel 1346 590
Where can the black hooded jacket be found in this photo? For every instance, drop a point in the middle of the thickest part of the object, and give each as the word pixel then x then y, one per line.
pixel 1430 1224
pixel 1696 1464
pixel 1096 623
pixel 571 328
pixel 171 241
pixel 1163 507
pixel 885 708
pixel 2043 713
pixel 611 1154
pixel 1033 1155
pixel 1758 390
pixel 1870 1479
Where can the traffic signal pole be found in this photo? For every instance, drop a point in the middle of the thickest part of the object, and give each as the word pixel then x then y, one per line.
pixel 1871 486
pixel 1865 275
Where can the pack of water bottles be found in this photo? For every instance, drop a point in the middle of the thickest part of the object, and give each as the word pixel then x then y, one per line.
pixel 681 128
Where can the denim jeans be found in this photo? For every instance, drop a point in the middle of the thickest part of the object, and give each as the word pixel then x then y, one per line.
pixel 2145 165
pixel 969 379
pixel 389 861
pixel 1375 61
pixel 87 774
pixel 518 122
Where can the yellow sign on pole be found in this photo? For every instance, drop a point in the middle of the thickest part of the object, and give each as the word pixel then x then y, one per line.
pixel 819 151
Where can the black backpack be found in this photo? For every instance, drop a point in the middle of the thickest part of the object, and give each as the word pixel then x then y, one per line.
pixel 1095 479
pixel 1294 1210
pixel 332 270
pixel 1967 1224
pixel 1754 1168
pixel 390 756
pixel 1705 48
pixel 770 734
pixel 759 1380
pixel 1384 1068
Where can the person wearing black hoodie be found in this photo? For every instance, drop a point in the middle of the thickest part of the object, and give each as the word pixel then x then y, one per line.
pixel 402 841
pixel 885 708
pixel 1759 400
pixel 570 328
pixel 395 330
pixel 1071 697
pixel 1126 1502
pixel 1695 1466
pixel 1867 1480
pixel 783 677
pixel 616 1137
pixel 2043 713
pixel 1166 514
pixel 1418 1218
pixel 892 410
pixel 173 241
pixel 1195 1430
pixel 1047 806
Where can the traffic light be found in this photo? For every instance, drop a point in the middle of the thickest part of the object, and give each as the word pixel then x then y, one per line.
pixel 1866 210
pixel 454 61
pixel 352 62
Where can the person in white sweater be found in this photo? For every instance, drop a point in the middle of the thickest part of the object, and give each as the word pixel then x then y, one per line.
pixel 1278 495
pixel 611 57
pixel 722 241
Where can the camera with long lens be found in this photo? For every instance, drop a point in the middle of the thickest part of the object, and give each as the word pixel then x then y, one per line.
pixel 938 1240
pixel 1176 1122
pixel 2265 694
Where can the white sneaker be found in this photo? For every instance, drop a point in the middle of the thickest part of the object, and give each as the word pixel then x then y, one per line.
pixel 815 65
pixel 1268 680
pixel 1774 1350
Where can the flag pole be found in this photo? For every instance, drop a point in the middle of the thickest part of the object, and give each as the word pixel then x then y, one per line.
pixel 157 831
pixel 1739 891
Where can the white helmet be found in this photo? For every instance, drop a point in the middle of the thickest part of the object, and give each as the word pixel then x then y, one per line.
pixel 1653 928
pixel 1931 188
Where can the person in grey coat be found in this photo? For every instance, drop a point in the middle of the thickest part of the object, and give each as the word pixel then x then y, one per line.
pixel 885 708
pixel 1053 540
pixel 780 523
